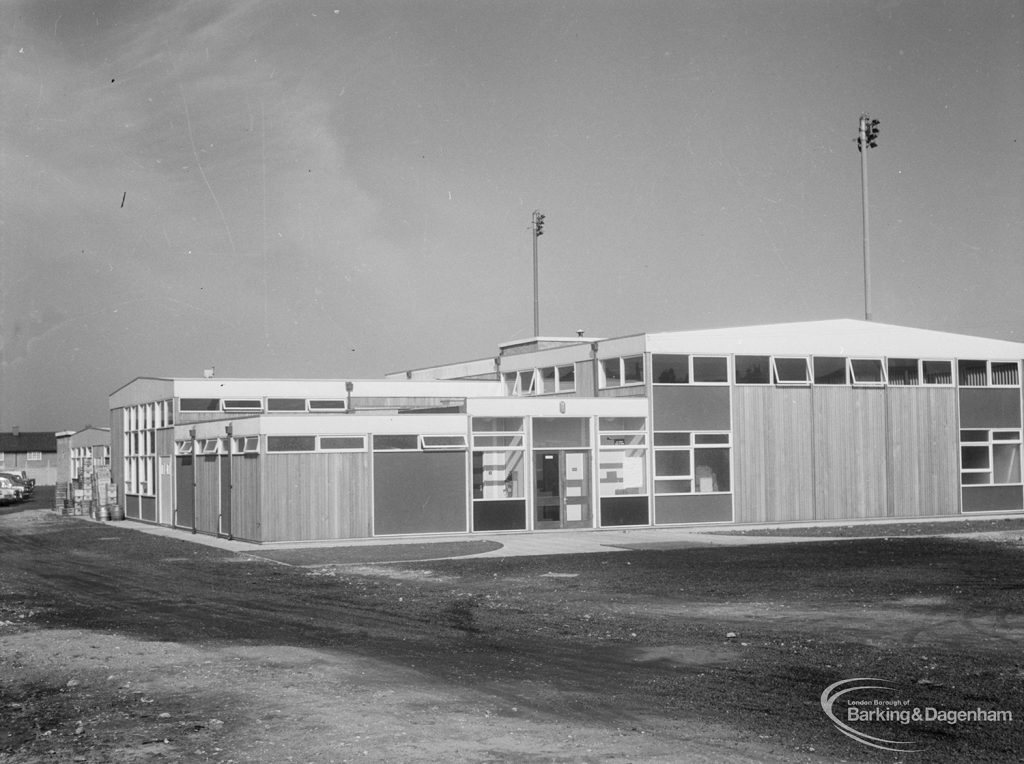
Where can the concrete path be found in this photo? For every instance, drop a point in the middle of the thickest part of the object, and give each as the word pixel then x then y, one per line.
pixel 513 544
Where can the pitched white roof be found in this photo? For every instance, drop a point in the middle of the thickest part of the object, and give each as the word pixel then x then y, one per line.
pixel 839 337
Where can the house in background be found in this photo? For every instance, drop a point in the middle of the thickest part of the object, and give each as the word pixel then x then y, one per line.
pixel 817 421
pixel 83 469
pixel 35 453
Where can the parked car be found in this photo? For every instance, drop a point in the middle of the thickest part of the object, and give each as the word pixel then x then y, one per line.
pixel 8 493
pixel 27 484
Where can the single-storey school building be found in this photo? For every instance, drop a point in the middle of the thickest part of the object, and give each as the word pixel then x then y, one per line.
pixel 819 421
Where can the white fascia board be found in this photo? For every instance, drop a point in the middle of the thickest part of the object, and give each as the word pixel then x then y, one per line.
pixel 447 371
pixel 553 407
pixel 623 346
pixel 332 388
pixel 841 337
pixel 539 359
pixel 337 424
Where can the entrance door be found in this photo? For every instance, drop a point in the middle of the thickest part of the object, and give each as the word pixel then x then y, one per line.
pixel 562 496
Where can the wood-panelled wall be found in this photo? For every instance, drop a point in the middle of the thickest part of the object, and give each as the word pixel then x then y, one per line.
pixel 207 494
pixel 315 496
pixel 850 469
pixel 924 436
pixel 840 453
pixel 245 498
pixel 773 459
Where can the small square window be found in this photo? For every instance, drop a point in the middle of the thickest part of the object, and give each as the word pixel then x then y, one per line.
pixel 903 371
pixel 670 369
pixel 937 372
pixel 791 371
pixel 709 369
pixel 973 373
pixel 1005 373
pixel 829 371
pixel 753 370
pixel 867 371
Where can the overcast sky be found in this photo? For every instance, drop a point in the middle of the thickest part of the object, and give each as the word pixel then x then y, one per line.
pixel 343 189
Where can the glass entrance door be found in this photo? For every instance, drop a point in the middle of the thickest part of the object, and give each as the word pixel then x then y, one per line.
pixel 562 495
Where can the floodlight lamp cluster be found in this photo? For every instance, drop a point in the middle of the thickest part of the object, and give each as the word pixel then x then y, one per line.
pixel 868 133
pixel 538 223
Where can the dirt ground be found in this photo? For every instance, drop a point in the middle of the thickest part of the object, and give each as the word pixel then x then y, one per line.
pixel 119 646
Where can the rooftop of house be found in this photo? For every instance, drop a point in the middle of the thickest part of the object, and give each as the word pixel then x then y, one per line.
pixel 17 441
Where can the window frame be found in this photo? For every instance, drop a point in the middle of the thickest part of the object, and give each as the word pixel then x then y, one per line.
pixel 953 372
pixel 248 404
pixel 990 442
pixel 272 450
pixel 340 407
pixel 882 367
pixel 426 444
pixel 347 450
pixel 621 362
pixel 808 376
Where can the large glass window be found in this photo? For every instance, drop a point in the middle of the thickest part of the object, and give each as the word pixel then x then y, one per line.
pixel 622 461
pixel 990 457
pixel 498 458
pixel 139 447
pixel 687 462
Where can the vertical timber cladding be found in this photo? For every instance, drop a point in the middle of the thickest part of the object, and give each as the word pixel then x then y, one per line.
pixel 314 496
pixel 207 507
pixel 922 447
pixel 419 492
pixel 692 408
pixel 245 497
pixel 185 506
pixel 773 454
pixel 850 470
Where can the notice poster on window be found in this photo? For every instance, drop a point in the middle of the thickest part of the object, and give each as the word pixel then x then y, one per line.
pixel 633 472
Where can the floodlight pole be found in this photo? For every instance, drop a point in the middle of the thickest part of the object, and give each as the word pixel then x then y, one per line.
pixel 538 229
pixel 866 136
